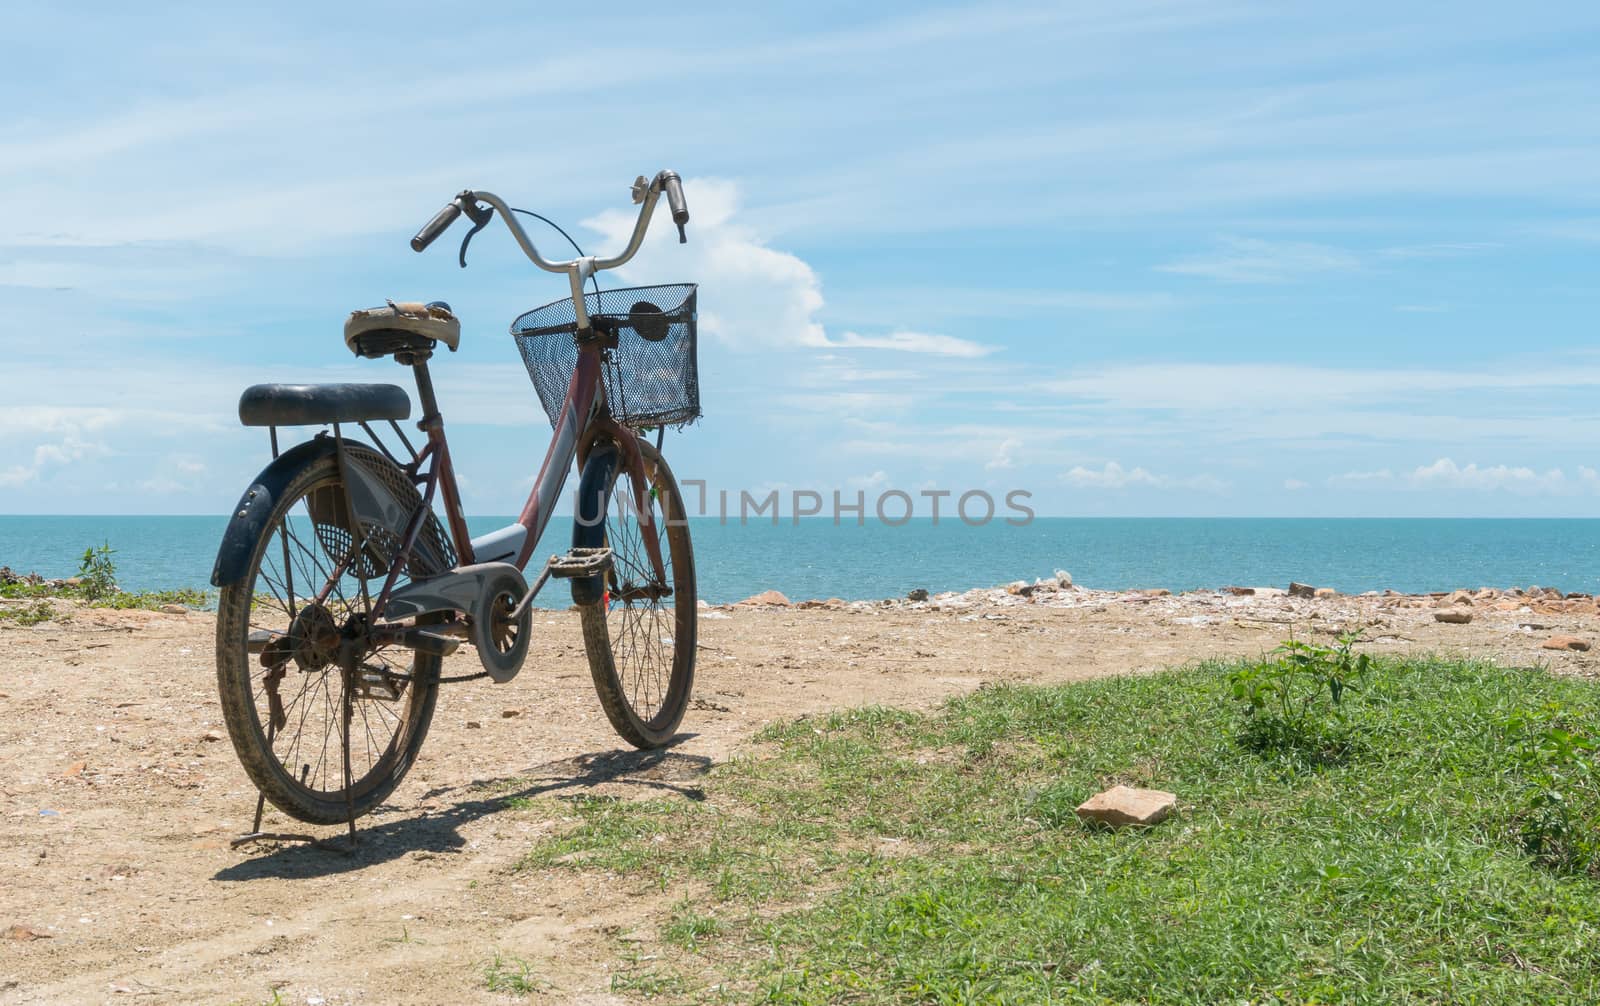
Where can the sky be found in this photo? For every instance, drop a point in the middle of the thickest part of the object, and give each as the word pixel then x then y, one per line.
pixel 1145 258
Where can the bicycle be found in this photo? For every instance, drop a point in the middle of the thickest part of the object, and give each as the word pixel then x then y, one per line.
pixel 342 591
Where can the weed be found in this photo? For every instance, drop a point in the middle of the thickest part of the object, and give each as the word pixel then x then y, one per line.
pixel 32 614
pixel 511 974
pixel 1294 703
pixel 98 573
pixel 1559 823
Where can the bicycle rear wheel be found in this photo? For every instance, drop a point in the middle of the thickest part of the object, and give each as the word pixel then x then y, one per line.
pixel 289 705
pixel 640 637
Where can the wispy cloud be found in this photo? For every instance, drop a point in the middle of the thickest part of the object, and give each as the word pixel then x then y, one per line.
pixel 1253 260
pixel 1112 475
pixel 1445 474
pixel 913 342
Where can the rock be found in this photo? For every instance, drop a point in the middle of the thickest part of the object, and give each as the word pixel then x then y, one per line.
pixel 73 581
pixel 920 594
pixel 766 599
pixel 1157 592
pixel 1302 590
pixel 474 725
pixel 1565 643
pixel 23 934
pixel 1507 605
pixel 702 604
pixel 1323 593
pixel 1575 596
pixel 1063 579
pixel 1460 597
pixel 1124 805
pixel 1451 616
pixel 174 609
pixel 75 769
pixel 510 714
pixel 1020 588
pixel 212 735
pixel 1240 591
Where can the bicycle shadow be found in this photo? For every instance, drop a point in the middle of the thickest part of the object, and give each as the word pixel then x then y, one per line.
pixel 438 833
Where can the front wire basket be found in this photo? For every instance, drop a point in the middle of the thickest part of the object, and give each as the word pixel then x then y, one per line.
pixel 651 376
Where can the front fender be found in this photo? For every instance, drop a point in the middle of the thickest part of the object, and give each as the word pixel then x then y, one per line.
pixel 589 516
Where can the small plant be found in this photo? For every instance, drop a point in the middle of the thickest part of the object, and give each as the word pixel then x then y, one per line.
pixel 1560 821
pixel 689 929
pixel 32 614
pixel 510 974
pixel 98 572
pixel 1294 701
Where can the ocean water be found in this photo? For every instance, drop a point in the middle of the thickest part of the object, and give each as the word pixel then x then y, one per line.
pixel 819 559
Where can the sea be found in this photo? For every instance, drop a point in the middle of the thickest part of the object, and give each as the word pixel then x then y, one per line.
pixel 816 558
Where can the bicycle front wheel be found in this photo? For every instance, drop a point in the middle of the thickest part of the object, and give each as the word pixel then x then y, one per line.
pixel 291 709
pixel 640 636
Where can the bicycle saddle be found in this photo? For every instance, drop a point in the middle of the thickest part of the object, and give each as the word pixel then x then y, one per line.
pixel 410 325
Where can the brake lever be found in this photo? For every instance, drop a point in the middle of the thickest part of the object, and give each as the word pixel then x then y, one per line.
pixel 480 217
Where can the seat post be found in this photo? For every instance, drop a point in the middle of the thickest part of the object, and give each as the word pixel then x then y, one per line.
pixel 430 404
pixel 432 424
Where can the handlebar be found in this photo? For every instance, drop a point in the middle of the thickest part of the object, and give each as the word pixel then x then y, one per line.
pixel 644 192
pixel 578 270
pixel 439 224
pixel 680 209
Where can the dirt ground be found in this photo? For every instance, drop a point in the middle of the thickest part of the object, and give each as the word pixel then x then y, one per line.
pixel 117 810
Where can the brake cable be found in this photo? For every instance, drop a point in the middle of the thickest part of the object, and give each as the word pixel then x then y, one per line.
pixel 482 221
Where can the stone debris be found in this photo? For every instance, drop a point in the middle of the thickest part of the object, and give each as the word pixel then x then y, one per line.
pixel 212 735
pixel 1325 593
pixel 1302 590
pixel 1452 617
pixel 174 609
pixel 919 594
pixel 1063 580
pixel 766 599
pixel 1125 805
pixel 1565 643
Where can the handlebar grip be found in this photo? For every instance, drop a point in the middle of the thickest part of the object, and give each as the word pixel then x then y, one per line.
pixel 438 225
pixel 680 209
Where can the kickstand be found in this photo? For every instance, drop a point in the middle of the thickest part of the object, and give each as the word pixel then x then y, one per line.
pixel 255 834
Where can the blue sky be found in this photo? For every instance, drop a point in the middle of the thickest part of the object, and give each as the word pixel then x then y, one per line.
pixel 1158 258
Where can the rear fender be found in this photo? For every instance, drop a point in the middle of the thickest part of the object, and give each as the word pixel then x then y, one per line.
pixel 374 504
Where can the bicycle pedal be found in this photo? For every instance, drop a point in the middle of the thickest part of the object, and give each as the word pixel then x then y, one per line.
pixel 580 562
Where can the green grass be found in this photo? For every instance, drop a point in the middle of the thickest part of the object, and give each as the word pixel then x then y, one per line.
pixel 510 974
pixel 148 600
pixel 882 856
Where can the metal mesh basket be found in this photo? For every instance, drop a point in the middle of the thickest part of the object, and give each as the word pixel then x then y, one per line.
pixel 651 377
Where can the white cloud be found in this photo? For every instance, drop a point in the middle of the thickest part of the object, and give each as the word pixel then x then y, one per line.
pixel 1252 260
pixel 1445 474
pixel 1113 476
pixel 69 449
pixel 914 342
pixel 1293 485
pixel 1004 455
pixel 752 295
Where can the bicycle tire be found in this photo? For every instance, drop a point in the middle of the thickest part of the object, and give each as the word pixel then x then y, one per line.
pixel 239 672
pixel 617 630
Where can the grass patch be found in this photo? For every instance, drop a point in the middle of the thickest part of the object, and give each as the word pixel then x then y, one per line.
pixel 882 856
pixel 511 974
pixel 94 586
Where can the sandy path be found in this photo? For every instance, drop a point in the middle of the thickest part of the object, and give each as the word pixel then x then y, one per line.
pixel 115 810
